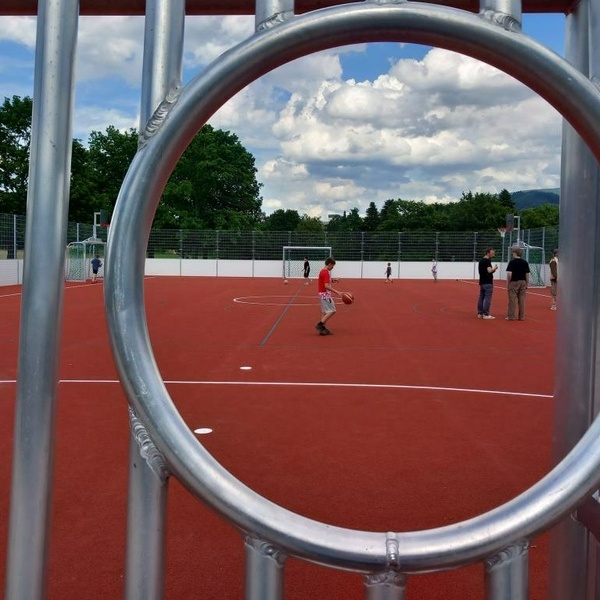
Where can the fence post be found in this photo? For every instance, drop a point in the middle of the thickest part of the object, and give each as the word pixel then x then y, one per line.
pixel 362 252
pixel 474 255
pixel 217 251
pixel 15 255
pixel 253 250
pixel 399 252
pixel 181 252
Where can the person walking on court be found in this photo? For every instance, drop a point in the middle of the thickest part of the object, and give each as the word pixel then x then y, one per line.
pixel 434 269
pixel 388 273
pixel 96 264
pixel 486 284
pixel 306 268
pixel 517 276
pixel 325 298
pixel 553 264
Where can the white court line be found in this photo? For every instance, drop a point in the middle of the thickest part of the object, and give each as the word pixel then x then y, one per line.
pixel 390 386
pixel 72 287
pixel 503 287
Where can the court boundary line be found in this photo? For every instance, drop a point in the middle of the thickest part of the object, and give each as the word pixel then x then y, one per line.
pixel 392 386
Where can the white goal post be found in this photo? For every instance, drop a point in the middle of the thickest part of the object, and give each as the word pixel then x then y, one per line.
pixel 78 263
pixel 293 260
pixel 534 255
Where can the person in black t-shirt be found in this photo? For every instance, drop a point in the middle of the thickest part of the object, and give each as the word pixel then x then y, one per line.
pixel 517 275
pixel 306 270
pixel 486 284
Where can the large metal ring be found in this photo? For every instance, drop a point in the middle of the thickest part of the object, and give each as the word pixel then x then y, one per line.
pixel 574 96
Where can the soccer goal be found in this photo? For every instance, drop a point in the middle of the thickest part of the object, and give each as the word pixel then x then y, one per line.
pixel 78 264
pixel 293 260
pixel 534 255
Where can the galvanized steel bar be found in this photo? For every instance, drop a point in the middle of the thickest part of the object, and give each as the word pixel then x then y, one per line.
pixel 507 573
pixel 265 569
pixel 146 516
pixel 42 301
pixel 388 585
pixel 148 474
pixel 576 383
pixel 544 72
pixel 271 12
pixel 506 13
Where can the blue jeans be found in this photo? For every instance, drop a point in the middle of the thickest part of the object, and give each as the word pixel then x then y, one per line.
pixel 485 298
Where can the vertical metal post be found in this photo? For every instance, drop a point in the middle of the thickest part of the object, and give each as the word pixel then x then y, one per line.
pixel 399 252
pixel 571 570
pixel 253 250
pixel 15 255
pixel 389 585
pixel 270 12
pixel 217 249
pixel 507 573
pixel 148 476
pixel 362 253
pixel 507 13
pixel 265 568
pixel 475 261
pixel 42 301
pixel 146 513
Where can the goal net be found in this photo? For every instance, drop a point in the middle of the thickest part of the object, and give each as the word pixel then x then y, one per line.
pixel 534 255
pixel 78 264
pixel 293 260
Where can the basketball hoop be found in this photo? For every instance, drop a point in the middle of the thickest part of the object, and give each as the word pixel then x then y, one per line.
pixel 502 231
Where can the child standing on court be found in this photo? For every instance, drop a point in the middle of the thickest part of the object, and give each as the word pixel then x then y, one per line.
pixel 388 273
pixel 553 278
pixel 434 269
pixel 306 271
pixel 325 299
pixel 96 264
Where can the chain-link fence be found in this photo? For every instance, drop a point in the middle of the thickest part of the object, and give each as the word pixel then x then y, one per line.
pixel 364 246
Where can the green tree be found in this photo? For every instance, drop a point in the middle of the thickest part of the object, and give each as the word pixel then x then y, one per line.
pixel 477 212
pixel 282 220
pixel 545 215
pixel 389 217
pixel 215 177
pixel 372 219
pixel 354 221
pixel 505 199
pixel 351 221
pixel 82 198
pixel 312 224
pixel 109 156
pixel 15 137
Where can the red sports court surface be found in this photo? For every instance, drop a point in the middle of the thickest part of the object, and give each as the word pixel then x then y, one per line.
pixel 414 414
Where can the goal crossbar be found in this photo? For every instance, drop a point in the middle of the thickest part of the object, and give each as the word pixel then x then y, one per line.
pixel 293 259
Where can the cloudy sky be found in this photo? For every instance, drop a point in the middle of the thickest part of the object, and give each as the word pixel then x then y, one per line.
pixel 336 130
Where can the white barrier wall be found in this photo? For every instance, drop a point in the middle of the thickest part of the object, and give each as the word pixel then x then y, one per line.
pixel 11 271
pixel 273 268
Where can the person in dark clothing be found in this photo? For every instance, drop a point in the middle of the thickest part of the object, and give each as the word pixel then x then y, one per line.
pixel 486 284
pixel 517 276
pixel 96 264
pixel 306 270
pixel 553 278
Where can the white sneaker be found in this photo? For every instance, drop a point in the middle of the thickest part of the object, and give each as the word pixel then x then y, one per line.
pixel 479 316
pixel 553 307
pixel 488 317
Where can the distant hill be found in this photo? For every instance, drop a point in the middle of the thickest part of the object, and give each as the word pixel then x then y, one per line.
pixel 533 198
